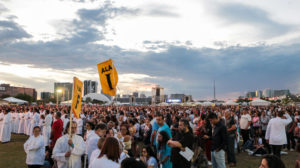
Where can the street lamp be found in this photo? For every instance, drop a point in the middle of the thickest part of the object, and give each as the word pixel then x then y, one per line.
pixel 57 91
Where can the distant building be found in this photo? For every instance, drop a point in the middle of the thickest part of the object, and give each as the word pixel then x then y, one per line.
pixel 90 87
pixel 268 93
pixel 125 96
pixel 66 89
pixel 136 94
pixel 45 95
pixel 142 96
pixel 157 94
pixel 177 96
pixel 6 89
pixel 278 93
pixel 251 94
pixel 258 93
pixel 134 101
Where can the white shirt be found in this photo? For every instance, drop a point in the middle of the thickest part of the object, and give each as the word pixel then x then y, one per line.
pixel 35 150
pixel 94 155
pixel 91 144
pixel 245 118
pixel 276 130
pixel 103 162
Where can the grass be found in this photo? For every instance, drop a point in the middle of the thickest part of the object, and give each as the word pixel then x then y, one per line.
pixel 12 155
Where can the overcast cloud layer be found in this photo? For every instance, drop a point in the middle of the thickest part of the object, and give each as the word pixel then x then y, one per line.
pixel 264 50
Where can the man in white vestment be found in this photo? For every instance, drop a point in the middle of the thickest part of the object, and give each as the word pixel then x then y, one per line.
pixel 1 120
pixel 67 151
pixel 47 128
pixel 6 127
pixel 35 121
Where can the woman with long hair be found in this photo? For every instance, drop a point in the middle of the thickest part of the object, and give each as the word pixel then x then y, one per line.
pixel 163 149
pixel 148 157
pixel 271 161
pixel 109 155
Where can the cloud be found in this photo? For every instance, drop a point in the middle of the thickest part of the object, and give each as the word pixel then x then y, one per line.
pixel 9 29
pixel 161 10
pixel 236 13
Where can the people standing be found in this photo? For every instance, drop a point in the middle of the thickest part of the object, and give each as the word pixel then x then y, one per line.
pixel 109 156
pixel 35 149
pixel 231 133
pixel 47 128
pixel 56 130
pixel 68 149
pixel 219 141
pixel 184 138
pixel 6 127
pixel 276 134
pixel 245 122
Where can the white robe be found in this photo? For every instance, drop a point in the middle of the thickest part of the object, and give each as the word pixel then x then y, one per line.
pixel 94 155
pixel 1 122
pixel 35 150
pixel 35 120
pixel 17 122
pixel 28 125
pixel 47 130
pixel 6 128
pixel 79 126
pixel 62 147
pixel 12 122
pixel 22 123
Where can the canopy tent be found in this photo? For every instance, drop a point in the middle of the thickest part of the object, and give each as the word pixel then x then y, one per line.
pixel 197 103
pixel 96 96
pixel 230 103
pixel 4 102
pixel 163 104
pixel 259 102
pixel 244 104
pixel 207 103
pixel 69 102
pixel 15 100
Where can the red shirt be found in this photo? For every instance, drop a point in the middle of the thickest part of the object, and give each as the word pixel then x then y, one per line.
pixel 57 127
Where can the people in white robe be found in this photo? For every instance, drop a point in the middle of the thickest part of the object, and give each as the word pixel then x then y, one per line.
pixel 28 126
pixel 42 122
pixel 47 128
pixel 79 125
pixel 1 120
pixel 91 143
pixel 22 123
pixel 35 149
pixel 13 119
pixel 109 155
pixel 67 151
pixel 6 127
pixel 35 120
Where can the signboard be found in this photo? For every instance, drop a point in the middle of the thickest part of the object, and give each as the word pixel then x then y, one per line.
pixel 173 100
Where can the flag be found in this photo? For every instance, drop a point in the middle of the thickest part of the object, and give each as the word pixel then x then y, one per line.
pixel 77 96
pixel 108 77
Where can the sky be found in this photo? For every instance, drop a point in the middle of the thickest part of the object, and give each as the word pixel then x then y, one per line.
pixel 181 45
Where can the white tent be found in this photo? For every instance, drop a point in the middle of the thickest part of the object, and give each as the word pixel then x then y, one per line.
pixel 96 96
pixel 4 102
pixel 207 103
pixel 197 103
pixel 15 100
pixel 260 102
pixel 69 102
pixel 163 104
pixel 230 103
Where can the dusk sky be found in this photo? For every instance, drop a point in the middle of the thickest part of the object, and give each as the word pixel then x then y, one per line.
pixel 182 45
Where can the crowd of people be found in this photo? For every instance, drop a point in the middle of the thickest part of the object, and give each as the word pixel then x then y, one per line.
pixel 152 136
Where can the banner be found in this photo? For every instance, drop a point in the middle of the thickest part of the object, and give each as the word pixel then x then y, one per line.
pixel 108 77
pixel 77 96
